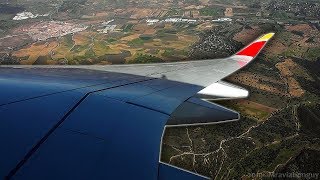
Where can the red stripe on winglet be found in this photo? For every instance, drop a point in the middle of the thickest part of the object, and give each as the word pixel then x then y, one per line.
pixel 253 49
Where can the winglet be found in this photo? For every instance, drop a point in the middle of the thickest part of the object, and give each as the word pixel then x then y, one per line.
pixel 266 37
pixel 248 53
pixel 255 47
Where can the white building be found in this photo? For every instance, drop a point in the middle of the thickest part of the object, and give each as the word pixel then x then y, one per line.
pixel 27 15
pixel 222 20
pixel 109 28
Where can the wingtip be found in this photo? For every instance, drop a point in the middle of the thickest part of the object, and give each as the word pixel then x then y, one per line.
pixel 266 37
pixel 253 49
pixel 248 53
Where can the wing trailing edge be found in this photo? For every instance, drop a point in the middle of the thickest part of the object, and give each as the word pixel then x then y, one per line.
pixel 196 111
pixel 167 172
pixel 222 91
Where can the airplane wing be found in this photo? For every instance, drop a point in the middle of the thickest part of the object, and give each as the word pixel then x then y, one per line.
pixel 199 72
pixel 80 123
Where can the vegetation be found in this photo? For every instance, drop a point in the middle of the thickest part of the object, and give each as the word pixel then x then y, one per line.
pixel 280 15
pixel 145 37
pixel 168 52
pixel 299 33
pixel 136 42
pixel 310 119
pixel 285 38
pixel 9 9
pixel 71 5
pixel 145 58
pixel 128 27
pixel 313 54
pixel 111 40
pixel 167 31
pixel 174 12
pixel 212 11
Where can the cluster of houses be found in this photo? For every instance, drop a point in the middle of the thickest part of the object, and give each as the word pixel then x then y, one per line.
pixel 183 20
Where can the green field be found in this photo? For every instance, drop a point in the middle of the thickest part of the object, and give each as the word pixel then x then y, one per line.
pixel 211 11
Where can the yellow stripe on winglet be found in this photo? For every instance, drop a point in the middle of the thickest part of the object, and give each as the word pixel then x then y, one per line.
pixel 266 37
